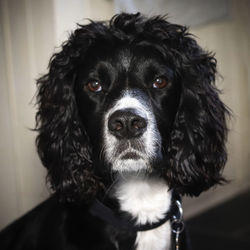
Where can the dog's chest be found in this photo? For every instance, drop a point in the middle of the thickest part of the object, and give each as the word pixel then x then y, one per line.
pixel 147 200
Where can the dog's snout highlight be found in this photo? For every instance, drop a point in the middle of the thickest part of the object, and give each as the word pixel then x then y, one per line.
pixel 127 123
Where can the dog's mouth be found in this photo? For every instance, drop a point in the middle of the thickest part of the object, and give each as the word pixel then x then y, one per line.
pixel 130 149
pixel 130 155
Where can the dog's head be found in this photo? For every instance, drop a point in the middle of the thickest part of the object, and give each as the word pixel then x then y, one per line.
pixel 131 95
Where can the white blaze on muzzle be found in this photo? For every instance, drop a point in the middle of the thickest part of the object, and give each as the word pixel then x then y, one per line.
pixel 132 153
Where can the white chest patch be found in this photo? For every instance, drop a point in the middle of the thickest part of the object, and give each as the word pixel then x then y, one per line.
pixel 147 200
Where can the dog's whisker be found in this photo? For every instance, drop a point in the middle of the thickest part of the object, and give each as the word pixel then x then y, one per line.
pixel 102 153
pixel 107 192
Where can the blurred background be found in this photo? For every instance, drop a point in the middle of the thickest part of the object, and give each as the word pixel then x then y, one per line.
pixel 31 30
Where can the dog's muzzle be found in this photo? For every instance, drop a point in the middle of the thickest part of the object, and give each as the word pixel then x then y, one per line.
pixel 131 138
pixel 127 124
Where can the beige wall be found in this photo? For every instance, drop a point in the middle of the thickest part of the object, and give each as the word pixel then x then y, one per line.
pixel 29 31
pixel 25 45
pixel 230 40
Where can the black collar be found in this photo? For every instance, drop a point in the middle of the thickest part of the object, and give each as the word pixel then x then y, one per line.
pixel 124 221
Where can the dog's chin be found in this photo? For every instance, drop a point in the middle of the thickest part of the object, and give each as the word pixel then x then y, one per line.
pixel 131 165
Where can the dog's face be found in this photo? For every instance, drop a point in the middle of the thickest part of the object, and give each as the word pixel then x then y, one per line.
pixel 132 98
pixel 134 94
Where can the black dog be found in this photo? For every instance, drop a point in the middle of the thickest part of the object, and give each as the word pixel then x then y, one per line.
pixel 129 119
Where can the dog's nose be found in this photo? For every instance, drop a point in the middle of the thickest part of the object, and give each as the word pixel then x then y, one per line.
pixel 126 124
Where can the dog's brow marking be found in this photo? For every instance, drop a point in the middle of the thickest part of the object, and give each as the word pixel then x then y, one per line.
pixel 125 59
pixel 126 63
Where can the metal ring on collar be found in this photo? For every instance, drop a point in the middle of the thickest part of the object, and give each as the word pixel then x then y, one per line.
pixel 177 219
pixel 177 226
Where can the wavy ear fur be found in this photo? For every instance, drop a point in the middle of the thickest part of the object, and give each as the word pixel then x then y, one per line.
pixel 197 146
pixel 62 141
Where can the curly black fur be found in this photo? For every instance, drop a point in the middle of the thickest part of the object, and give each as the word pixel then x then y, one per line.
pixel 196 150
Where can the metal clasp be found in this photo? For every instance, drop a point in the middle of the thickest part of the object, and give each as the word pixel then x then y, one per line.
pixel 177 223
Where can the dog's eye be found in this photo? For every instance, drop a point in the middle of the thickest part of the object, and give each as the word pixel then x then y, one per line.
pixel 94 86
pixel 160 83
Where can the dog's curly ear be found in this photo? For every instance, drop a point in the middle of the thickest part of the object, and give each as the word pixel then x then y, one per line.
pixel 62 141
pixel 197 146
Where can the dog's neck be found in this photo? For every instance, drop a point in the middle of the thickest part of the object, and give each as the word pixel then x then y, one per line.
pixel 147 200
